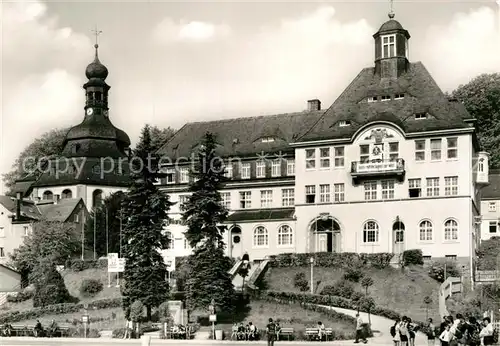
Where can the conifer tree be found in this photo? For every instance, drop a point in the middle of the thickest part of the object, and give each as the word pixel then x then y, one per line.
pixel 146 208
pixel 203 214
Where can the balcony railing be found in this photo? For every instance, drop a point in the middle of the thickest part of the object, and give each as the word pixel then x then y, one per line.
pixel 378 167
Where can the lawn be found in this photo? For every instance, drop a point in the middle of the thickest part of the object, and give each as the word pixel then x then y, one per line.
pixel 393 289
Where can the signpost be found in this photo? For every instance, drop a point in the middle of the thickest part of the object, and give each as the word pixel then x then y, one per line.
pixel 115 265
pixel 85 320
pixel 212 317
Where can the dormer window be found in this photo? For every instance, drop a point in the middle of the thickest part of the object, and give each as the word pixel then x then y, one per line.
pixel 344 123
pixel 388 46
pixel 373 99
pixel 399 96
pixel 419 116
pixel 385 98
pixel 267 140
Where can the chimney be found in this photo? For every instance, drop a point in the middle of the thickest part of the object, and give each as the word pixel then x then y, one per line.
pixel 313 105
pixel 18 205
pixel 56 199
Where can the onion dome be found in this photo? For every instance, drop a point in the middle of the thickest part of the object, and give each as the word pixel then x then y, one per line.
pixel 95 69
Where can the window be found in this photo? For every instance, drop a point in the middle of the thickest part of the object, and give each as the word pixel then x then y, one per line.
pixel 96 198
pixel 399 96
pixel 290 167
pixel 393 151
pixel 260 237
pixel 385 98
pixel 339 156
pixel 480 165
pixel 245 199
pixel 420 150
pixel 419 116
pixel 182 200
pixel 2 252
pixel 372 99
pixel 388 46
pixel 310 158
pixel 267 140
pixel 452 148
pixel 451 230
pixel 370 232
pixel 338 192
pixel 450 186
pixel 76 218
pixel 324 157
pixel 245 170
pixel 310 194
pixel 260 169
pixel 228 172
pixel 432 187
pixel 266 198
pixel 226 199
pixel 287 197
pixel 425 230
pixel 186 244
pixel 324 193
pixel 492 206
pixel 66 193
pixel 493 226
pixel 364 153
pixel 415 188
pixel 452 257
pixel 370 190
pixel 344 123
pixel 48 195
pixel 388 189
pixel 2 232
pixel 436 149
pixel 170 240
pixel 276 168
pixel 170 176
pixel 26 231
pixel 285 236
pixel 184 175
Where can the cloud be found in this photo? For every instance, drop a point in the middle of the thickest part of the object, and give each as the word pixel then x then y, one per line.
pixel 195 31
pixel 466 47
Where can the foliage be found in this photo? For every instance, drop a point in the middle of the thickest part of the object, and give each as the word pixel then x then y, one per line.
pixel 32 157
pixel 332 260
pixel 437 270
pixel 110 209
pixel 49 285
pixel 136 311
pixel 164 313
pixel 20 296
pixel 342 288
pixel 146 208
pixel 414 256
pixel 50 239
pixel 300 282
pixel 489 254
pixel 57 309
pixel 202 214
pixel 90 287
pixel 353 274
pixel 160 136
pixel 366 283
pixel 77 265
pixel 481 97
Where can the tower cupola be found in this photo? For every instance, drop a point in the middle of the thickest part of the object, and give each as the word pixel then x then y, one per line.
pixel 391 49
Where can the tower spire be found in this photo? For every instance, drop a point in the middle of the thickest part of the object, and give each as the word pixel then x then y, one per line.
pixel 391 12
pixel 96 32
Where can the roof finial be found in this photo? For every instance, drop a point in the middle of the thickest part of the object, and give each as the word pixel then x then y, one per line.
pixel 96 32
pixel 391 13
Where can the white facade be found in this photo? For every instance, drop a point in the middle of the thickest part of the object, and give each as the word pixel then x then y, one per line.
pixel 11 234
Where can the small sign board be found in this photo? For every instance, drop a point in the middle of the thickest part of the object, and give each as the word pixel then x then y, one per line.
pixel 85 319
pixel 115 264
pixel 212 318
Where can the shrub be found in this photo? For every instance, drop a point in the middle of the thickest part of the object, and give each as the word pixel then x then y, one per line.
pixel 331 259
pixel 489 254
pixel 164 313
pixel 300 282
pixel 90 287
pixel 413 257
pixel 437 268
pixel 20 296
pixel 136 311
pixel 353 274
pixel 49 285
pixel 343 288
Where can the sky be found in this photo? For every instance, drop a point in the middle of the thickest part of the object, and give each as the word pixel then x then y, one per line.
pixel 174 62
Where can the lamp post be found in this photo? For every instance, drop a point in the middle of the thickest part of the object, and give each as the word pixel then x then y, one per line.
pixel 311 260
pixel 211 308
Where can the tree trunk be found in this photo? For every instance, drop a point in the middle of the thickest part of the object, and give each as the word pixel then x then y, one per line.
pixel 148 313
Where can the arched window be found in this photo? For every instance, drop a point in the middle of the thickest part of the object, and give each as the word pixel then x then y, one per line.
pixel 399 231
pixel 370 232
pixel 481 165
pixel 66 194
pixel 285 236
pixel 96 198
pixel 451 230
pixel 260 237
pixel 425 228
pixel 171 240
pixel 48 195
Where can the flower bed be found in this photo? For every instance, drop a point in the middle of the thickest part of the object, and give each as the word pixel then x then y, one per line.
pixel 332 259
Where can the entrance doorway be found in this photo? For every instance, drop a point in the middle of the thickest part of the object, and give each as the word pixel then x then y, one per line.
pixel 236 243
pixel 398 235
pixel 326 235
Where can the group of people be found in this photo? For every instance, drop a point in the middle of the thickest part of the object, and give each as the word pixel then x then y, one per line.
pixel 241 332
pixel 38 330
pixel 403 332
pixel 465 332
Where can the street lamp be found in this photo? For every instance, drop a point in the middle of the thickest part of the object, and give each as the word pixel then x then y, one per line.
pixel 311 260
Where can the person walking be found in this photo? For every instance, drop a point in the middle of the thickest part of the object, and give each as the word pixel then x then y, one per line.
pixel 431 332
pixel 359 330
pixel 271 332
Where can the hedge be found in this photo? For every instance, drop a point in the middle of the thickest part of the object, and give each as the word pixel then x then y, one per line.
pixel 78 265
pixel 332 259
pixel 58 309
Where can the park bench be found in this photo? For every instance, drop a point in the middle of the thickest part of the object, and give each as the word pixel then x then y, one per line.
pixel 313 333
pixel 186 334
pixel 286 331
pixel 329 334
pixel 19 330
pixel 60 332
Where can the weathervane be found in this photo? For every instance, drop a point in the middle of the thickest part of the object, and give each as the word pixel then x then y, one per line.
pixel 391 13
pixel 96 33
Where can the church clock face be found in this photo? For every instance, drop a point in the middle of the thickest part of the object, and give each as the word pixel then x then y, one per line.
pixel 90 111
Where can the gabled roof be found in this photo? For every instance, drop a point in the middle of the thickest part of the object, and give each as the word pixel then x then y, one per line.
pixel 9 268
pixel 60 211
pixel 28 208
pixel 240 136
pixel 422 95
pixel 492 191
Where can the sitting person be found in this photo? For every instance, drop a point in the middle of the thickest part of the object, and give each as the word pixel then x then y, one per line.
pixel 321 330
pixel 252 330
pixel 241 332
pixel 234 331
pixel 38 330
pixel 53 328
pixel 6 330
